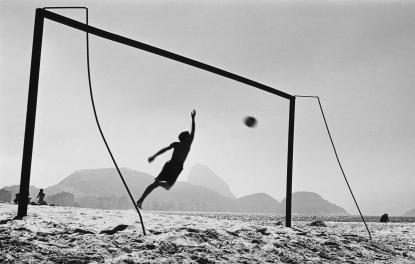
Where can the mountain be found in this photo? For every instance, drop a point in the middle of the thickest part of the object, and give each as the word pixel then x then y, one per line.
pixel 309 203
pixel 205 191
pixel 102 183
pixel 188 197
pixel 203 176
pixel 258 203
pixel 102 188
pixel 410 212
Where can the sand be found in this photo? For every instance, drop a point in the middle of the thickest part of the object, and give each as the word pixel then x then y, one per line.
pixel 72 235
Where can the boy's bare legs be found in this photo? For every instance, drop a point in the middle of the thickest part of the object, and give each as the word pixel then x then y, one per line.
pixel 150 188
pixel 147 191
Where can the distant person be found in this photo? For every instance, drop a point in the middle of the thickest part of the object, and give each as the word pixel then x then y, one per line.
pixel 172 169
pixel 384 218
pixel 16 199
pixel 41 197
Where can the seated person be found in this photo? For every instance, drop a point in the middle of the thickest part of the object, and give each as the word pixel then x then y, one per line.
pixel 384 218
pixel 41 197
pixel 16 199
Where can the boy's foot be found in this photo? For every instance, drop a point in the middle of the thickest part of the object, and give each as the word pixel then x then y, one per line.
pixel 139 204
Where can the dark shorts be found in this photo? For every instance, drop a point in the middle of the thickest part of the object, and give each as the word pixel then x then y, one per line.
pixel 171 170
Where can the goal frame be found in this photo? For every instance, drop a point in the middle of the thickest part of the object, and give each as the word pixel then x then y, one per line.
pixel 42 14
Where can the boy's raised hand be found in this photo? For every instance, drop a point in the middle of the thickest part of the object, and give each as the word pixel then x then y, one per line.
pixel 150 159
pixel 193 113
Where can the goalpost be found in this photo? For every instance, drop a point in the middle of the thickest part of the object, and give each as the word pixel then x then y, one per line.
pixel 42 14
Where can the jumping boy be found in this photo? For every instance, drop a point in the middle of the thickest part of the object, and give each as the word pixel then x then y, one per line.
pixel 174 167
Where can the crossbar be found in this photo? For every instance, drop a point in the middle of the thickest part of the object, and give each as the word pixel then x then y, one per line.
pixel 164 53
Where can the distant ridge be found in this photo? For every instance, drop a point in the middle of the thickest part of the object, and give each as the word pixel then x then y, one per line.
pixel 309 203
pixel 102 188
pixel 203 176
pixel 410 212
pixel 259 203
pixel 101 182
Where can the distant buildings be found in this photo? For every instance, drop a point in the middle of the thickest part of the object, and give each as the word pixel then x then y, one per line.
pixel 62 199
pixel 5 196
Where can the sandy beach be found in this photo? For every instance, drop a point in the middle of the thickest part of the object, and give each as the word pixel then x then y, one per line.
pixel 72 235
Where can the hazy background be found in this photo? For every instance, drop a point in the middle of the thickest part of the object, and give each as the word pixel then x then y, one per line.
pixel 359 57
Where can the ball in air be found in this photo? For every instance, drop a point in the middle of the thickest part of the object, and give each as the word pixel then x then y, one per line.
pixel 250 121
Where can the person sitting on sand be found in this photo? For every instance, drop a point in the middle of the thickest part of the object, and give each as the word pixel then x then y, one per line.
pixel 384 218
pixel 16 199
pixel 41 197
pixel 172 169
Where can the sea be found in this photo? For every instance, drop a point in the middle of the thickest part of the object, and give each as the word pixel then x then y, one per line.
pixel 306 218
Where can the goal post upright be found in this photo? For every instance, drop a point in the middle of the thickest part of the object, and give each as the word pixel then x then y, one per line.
pixel 290 156
pixel 30 115
pixel 42 14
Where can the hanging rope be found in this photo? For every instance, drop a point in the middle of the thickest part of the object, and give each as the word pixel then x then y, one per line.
pixel 337 157
pixel 96 116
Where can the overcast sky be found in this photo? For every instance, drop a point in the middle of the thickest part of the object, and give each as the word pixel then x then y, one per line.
pixel 359 57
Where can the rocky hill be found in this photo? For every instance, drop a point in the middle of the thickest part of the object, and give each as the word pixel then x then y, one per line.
pixel 101 183
pixel 410 212
pixel 259 203
pixel 205 191
pixel 102 188
pixel 309 203
pixel 203 176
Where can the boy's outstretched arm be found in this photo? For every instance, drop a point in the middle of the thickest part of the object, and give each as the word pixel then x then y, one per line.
pixel 192 133
pixel 150 159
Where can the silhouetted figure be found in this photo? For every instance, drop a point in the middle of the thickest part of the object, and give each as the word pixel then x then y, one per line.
pixel 41 197
pixel 384 218
pixel 16 199
pixel 172 169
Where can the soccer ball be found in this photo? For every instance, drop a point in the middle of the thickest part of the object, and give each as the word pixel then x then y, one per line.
pixel 250 121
